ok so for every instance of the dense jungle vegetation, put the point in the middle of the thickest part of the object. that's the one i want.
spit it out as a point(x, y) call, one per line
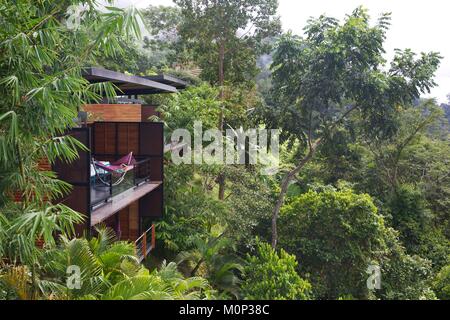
point(364, 159)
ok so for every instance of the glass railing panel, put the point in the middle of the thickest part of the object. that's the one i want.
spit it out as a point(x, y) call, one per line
point(106, 185)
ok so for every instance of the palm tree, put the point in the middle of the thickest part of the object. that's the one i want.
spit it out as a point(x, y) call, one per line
point(21, 257)
point(109, 269)
point(41, 89)
point(209, 258)
point(166, 284)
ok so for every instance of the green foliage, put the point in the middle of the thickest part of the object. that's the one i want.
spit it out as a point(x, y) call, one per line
point(330, 90)
point(346, 59)
point(220, 23)
point(335, 234)
point(392, 154)
point(202, 103)
point(190, 209)
point(415, 223)
point(135, 61)
point(336, 69)
point(164, 46)
point(441, 284)
point(249, 200)
point(272, 276)
point(191, 206)
point(198, 103)
point(409, 214)
point(427, 162)
point(403, 276)
point(109, 269)
point(160, 50)
point(42, 88)
point(26, 227)
point(407, 173)
point(212, 258)
point(339, 158)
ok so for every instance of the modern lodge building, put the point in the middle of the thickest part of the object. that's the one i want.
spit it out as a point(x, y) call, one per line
point(119, 181)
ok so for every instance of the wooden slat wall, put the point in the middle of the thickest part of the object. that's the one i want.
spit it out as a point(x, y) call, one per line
point(114, 112)
point(44, 165)
point(151, 205)
point(152, 139)
point(77, 173)
point(122, 138)
point(99, 138)
point(78, 201)
point(129, 222)
point(124, 224)
point(151, 145)
point(116, 138)
point(128, 138)
point(110, 138)
point(134, 221)
point(148, 112)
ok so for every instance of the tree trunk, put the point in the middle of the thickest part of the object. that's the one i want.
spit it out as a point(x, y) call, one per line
point(291, 174)
point(221, 82)
point(221, 181)
point(284, 186)
point(221, 177)
point(197, 266)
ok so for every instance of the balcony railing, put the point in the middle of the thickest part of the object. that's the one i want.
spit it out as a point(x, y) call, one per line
point(141, 171)
point(101, 192)
point(145, 243)
point(104, 185)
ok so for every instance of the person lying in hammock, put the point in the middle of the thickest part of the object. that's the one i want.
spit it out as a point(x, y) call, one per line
point(119, 167)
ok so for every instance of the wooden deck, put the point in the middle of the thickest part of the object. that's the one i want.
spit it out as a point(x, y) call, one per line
point(121, 201)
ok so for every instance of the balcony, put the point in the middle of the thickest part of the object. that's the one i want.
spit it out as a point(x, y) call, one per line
point(110, 194)
point(139, 196)
point(105, 186)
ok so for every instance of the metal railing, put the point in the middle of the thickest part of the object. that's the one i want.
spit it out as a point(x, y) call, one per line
point(145, 243)
point(101, 193)
point(141, 171)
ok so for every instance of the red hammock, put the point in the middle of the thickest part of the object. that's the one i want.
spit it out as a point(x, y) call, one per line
point(120, 166)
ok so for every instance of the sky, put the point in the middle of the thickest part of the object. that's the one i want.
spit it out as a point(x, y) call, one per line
point(422, 26)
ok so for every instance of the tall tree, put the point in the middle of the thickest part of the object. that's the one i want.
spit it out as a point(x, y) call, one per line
point(163, 41)
point(44, 46)
point(269, 275)
point(337, 234)
point(227, 36)
point(335, 70)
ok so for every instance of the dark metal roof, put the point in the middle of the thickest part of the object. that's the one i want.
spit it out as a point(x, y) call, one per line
point(169, 80)
point(128, 84)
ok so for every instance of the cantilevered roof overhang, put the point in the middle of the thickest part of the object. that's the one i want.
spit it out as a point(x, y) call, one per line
point(169, 80)
point(128, 84)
